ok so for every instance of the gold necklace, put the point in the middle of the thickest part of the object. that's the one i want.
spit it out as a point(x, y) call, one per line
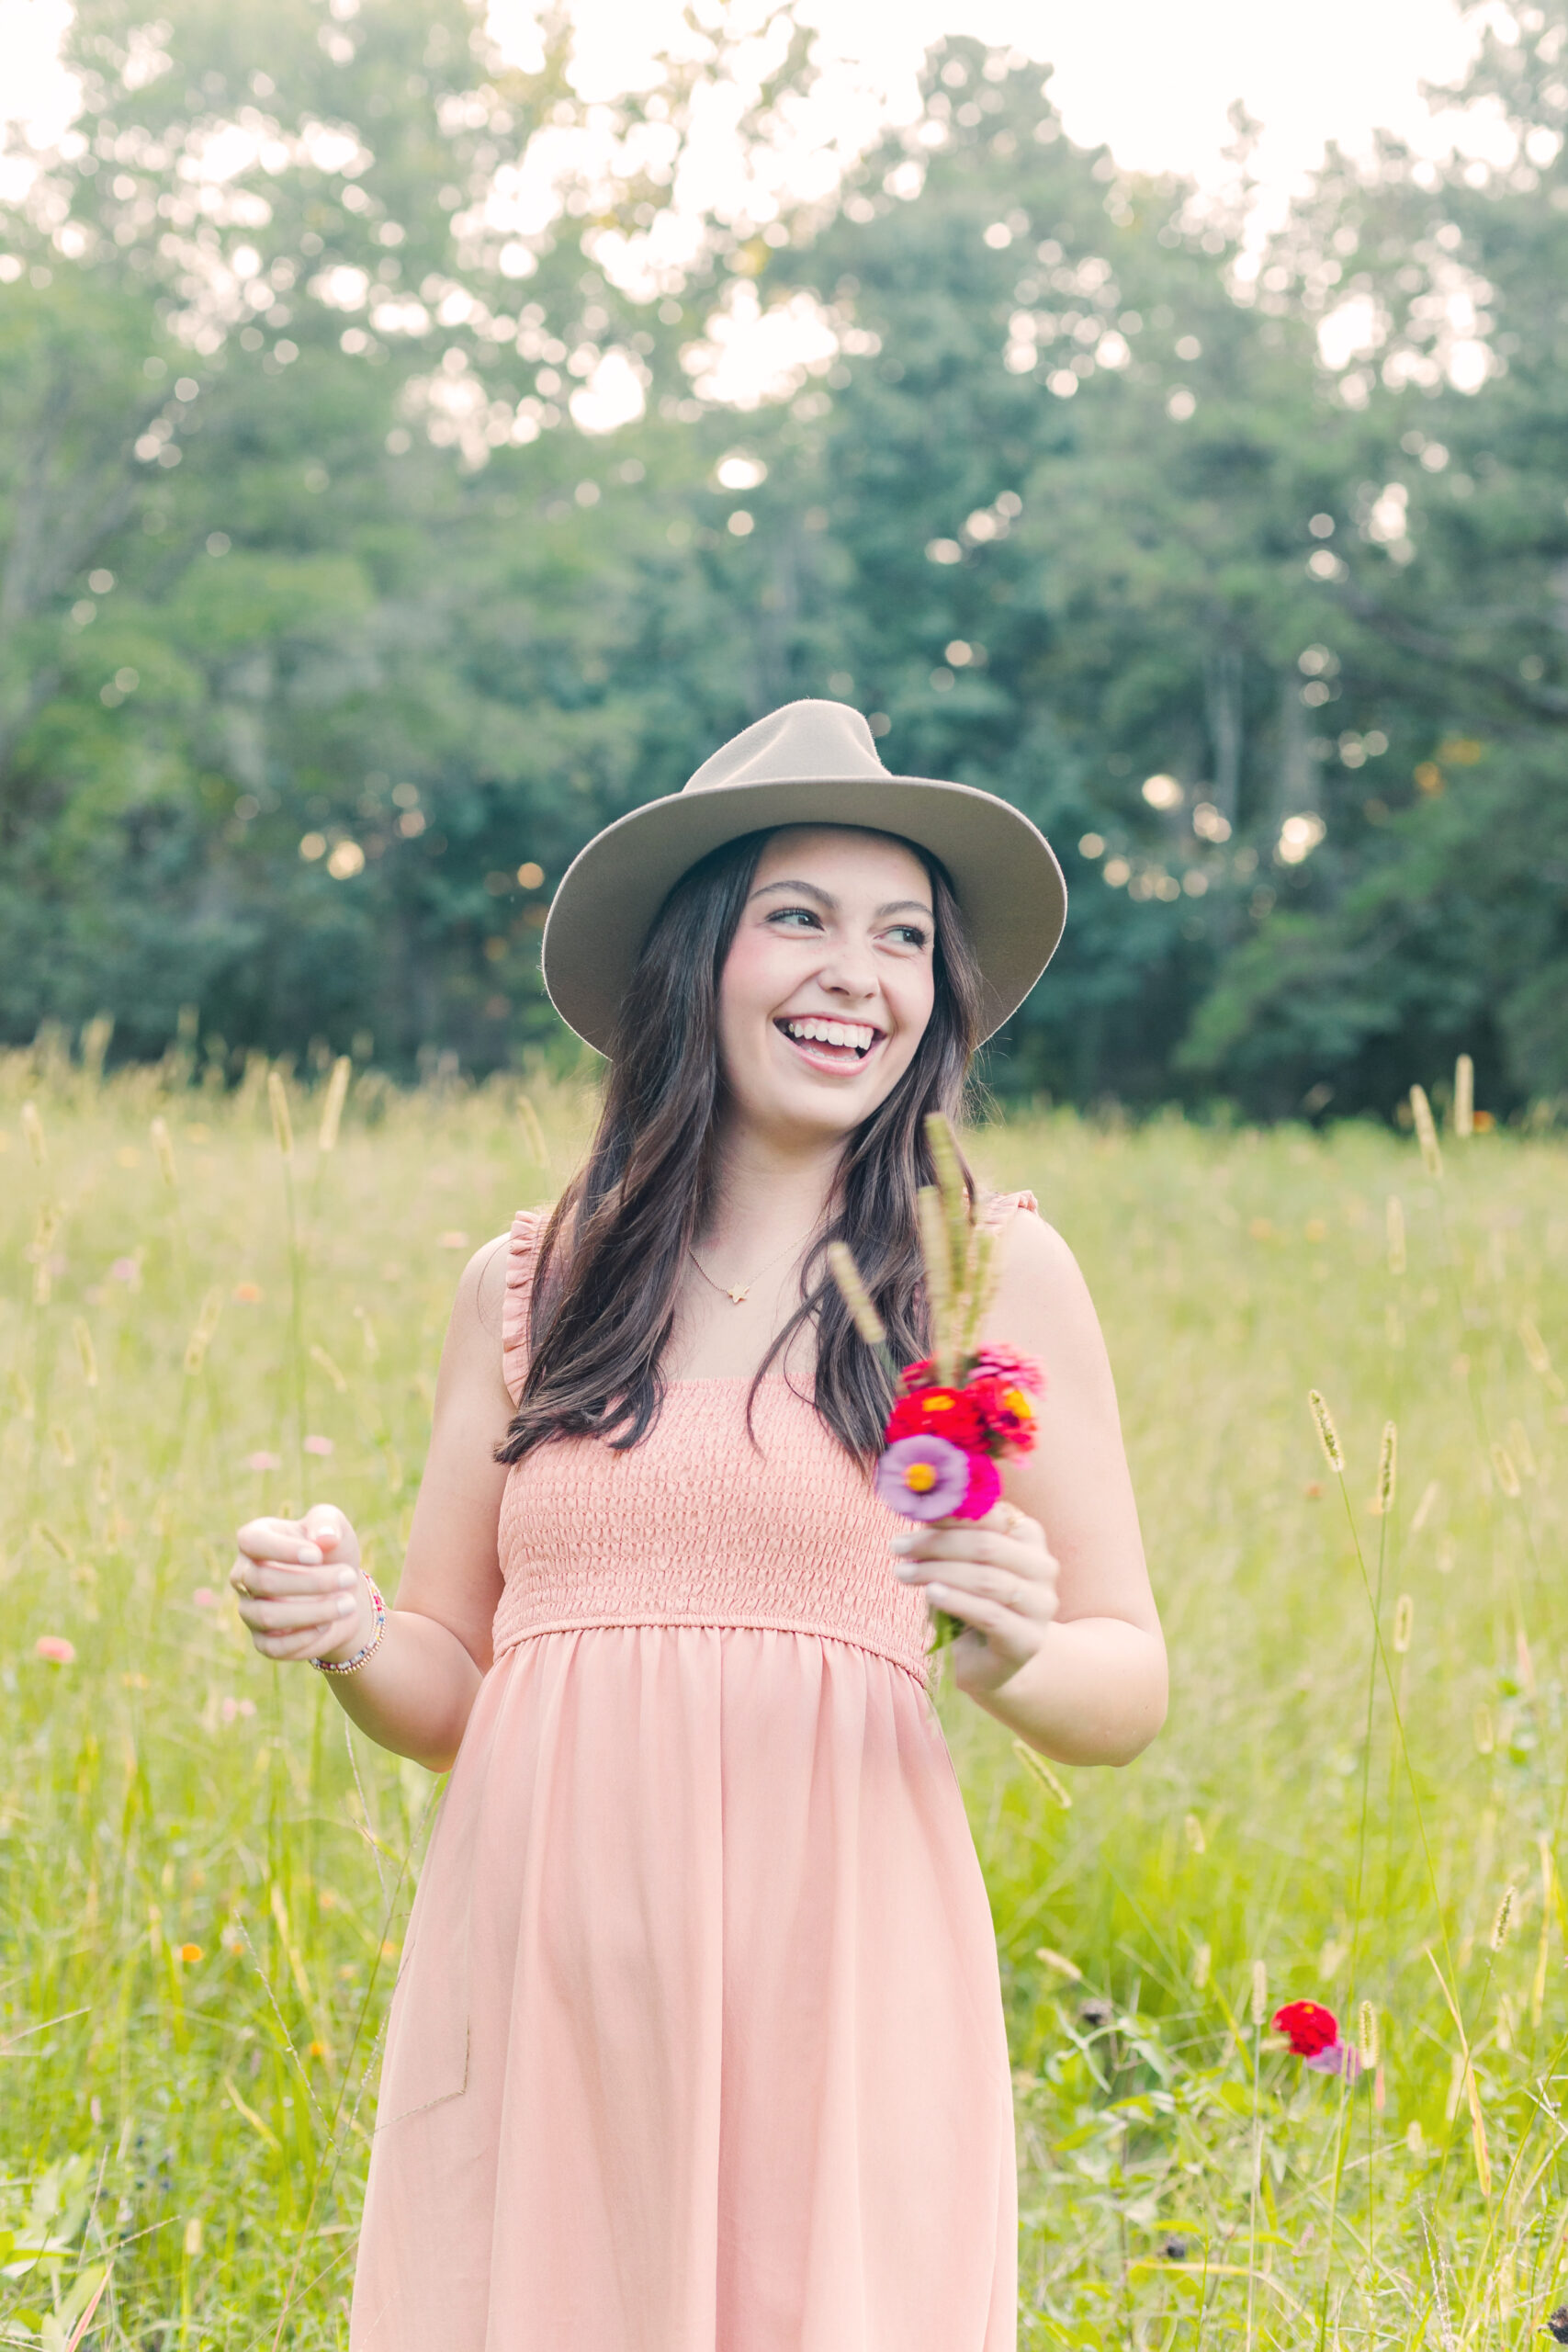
point(742, 1292)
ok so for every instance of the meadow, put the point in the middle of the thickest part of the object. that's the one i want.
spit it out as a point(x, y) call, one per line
point(1359, 1799)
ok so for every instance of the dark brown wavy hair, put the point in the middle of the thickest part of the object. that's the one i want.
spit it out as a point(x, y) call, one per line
point(615, 1250)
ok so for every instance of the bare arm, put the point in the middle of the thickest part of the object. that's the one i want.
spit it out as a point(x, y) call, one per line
point(1066, 1645)
point(414, 1696)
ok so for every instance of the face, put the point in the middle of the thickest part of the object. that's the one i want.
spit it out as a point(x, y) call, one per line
point(828, 984)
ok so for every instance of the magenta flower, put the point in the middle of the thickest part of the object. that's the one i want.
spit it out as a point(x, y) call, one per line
point(317, 1445)
point(263, 1461)
point(125, 1269)
point(984, 1487)
point(55, 1648)
point(205, 1597)
point(923, 1477)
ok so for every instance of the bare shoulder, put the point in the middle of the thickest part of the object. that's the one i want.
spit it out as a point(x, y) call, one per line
point(482, 1291)
point(1042, 1303)
point(1036, 1267)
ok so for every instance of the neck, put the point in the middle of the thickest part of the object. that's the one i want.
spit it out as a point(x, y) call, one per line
point(770, 1187)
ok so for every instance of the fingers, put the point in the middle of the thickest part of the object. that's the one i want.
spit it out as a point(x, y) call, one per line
point(279, 1539)
point(997, 1625)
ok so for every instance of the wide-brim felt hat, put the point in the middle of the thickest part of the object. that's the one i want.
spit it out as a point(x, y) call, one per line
point(809, 763)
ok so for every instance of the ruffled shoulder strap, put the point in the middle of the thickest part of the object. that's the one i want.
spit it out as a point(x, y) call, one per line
point(527, 1226)
point(1002, 1208)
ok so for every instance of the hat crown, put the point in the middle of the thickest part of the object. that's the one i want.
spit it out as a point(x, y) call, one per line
point(803, 741)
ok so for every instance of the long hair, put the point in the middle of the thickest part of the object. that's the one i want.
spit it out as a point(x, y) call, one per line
point(615, 1250)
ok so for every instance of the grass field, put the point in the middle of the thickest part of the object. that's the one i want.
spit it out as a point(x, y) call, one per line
point(202, 1886)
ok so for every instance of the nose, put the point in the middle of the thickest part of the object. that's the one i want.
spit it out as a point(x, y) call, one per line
point(849, 972)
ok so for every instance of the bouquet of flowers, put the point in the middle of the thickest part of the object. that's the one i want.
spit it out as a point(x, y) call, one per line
point(965, 1407)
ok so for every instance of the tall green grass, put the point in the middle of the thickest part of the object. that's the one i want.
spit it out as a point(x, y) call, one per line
point(203, 1881)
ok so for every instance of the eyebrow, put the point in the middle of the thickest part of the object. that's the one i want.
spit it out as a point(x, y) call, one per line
point(825, 898)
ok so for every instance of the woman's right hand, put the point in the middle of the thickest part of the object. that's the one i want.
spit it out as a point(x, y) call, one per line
point(301, 1589)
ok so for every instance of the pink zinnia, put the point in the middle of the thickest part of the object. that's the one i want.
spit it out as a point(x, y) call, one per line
point(205, 1597)
point(1011, 1369)
point(923, 1477)
point(55, 1648)
point(263, 1461)
point(317, 1445)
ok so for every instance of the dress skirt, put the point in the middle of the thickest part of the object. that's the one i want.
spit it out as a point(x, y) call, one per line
point(698, 2043)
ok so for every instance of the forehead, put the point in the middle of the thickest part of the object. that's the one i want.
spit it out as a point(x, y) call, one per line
point(844, 860)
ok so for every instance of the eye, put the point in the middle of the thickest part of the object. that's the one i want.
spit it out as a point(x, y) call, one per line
point(911, 935)
point(791, 915)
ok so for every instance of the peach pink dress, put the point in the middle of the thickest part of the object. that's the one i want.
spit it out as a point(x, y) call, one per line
point(697, 2044)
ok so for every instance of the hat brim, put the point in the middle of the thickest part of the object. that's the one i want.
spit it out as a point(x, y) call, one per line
point(1009, 884)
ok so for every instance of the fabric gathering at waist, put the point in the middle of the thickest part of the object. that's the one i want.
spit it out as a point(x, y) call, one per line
point(514, 1636)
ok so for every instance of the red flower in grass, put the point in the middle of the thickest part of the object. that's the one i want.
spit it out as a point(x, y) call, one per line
point(1310, 2027)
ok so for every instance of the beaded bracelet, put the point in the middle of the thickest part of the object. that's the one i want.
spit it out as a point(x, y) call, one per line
point(361, 1658)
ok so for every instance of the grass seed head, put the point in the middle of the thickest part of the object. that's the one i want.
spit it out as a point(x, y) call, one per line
point(331, 1109)
point(1486, 1736)
point(85, 1351)
point(1507, 1476)
point(1388, 1467)
point(277, 1103)
point(1404, 1623)
point(1367, 2035)
point(1425, 1131)
point(32, 1128)
point(202, 1337)
point(1259, 1991)
point(1395, 1216)
point(1036, 1763)
point(1500, 1923)
point(164, 1148)
point(1327, 1435)
point(1202, 1960)
point(1465, 1097)
point(856, 1297)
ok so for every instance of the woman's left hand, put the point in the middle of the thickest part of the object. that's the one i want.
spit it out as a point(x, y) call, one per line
point(997, 1575)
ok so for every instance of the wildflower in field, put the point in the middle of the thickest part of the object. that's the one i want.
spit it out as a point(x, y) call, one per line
point(322, 1445)
point(55, 1648)
point(247, 1294)
point(1313, 2033)
point(205, 1597)
point(264, 1461)
point(190, 1954)
point(452, 1241)
point(234, 1708)
point(126, 1269)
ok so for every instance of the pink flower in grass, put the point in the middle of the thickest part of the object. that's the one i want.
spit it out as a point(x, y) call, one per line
point(923, 1477)
point(205, 1597)
point(317, 1445)
point(56, 1649)
point(263, 1461)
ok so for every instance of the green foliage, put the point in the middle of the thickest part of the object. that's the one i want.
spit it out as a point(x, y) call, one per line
point(1079, 504)
point(203, 1882)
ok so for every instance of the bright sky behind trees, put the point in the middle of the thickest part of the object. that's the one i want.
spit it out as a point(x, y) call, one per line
point(1152, 81)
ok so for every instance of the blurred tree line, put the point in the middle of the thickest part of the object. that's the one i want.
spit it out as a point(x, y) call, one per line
point(334, 618)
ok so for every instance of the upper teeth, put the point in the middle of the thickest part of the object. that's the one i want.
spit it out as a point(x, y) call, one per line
point(833, 1033)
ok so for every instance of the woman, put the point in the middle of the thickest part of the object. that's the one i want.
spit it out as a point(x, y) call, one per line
point(697, 2045)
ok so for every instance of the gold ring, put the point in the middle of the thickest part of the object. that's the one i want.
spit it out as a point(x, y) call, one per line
point(1014, 1519)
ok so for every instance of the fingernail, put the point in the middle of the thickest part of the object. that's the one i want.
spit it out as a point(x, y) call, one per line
point(903, 1570)
point(309, 1557)
point(345, 1608)
point(903, 1543)
point(347, 1579)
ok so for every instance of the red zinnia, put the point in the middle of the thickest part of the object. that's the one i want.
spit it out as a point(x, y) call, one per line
point(1004, 1411)
point(1311, 2028)
point(937, 1412)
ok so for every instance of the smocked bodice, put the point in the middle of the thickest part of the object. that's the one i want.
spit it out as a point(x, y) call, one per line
point(698, 1525)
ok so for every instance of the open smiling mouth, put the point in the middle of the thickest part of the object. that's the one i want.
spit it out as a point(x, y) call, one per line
point(830, 1045)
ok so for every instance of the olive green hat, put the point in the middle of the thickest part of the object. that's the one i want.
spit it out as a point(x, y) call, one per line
point(809, 763)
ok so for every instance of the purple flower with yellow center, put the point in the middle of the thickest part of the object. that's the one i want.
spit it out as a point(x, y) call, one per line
point(923, 1477)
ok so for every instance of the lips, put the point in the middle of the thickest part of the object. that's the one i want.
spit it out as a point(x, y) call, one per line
point(826, 1043)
